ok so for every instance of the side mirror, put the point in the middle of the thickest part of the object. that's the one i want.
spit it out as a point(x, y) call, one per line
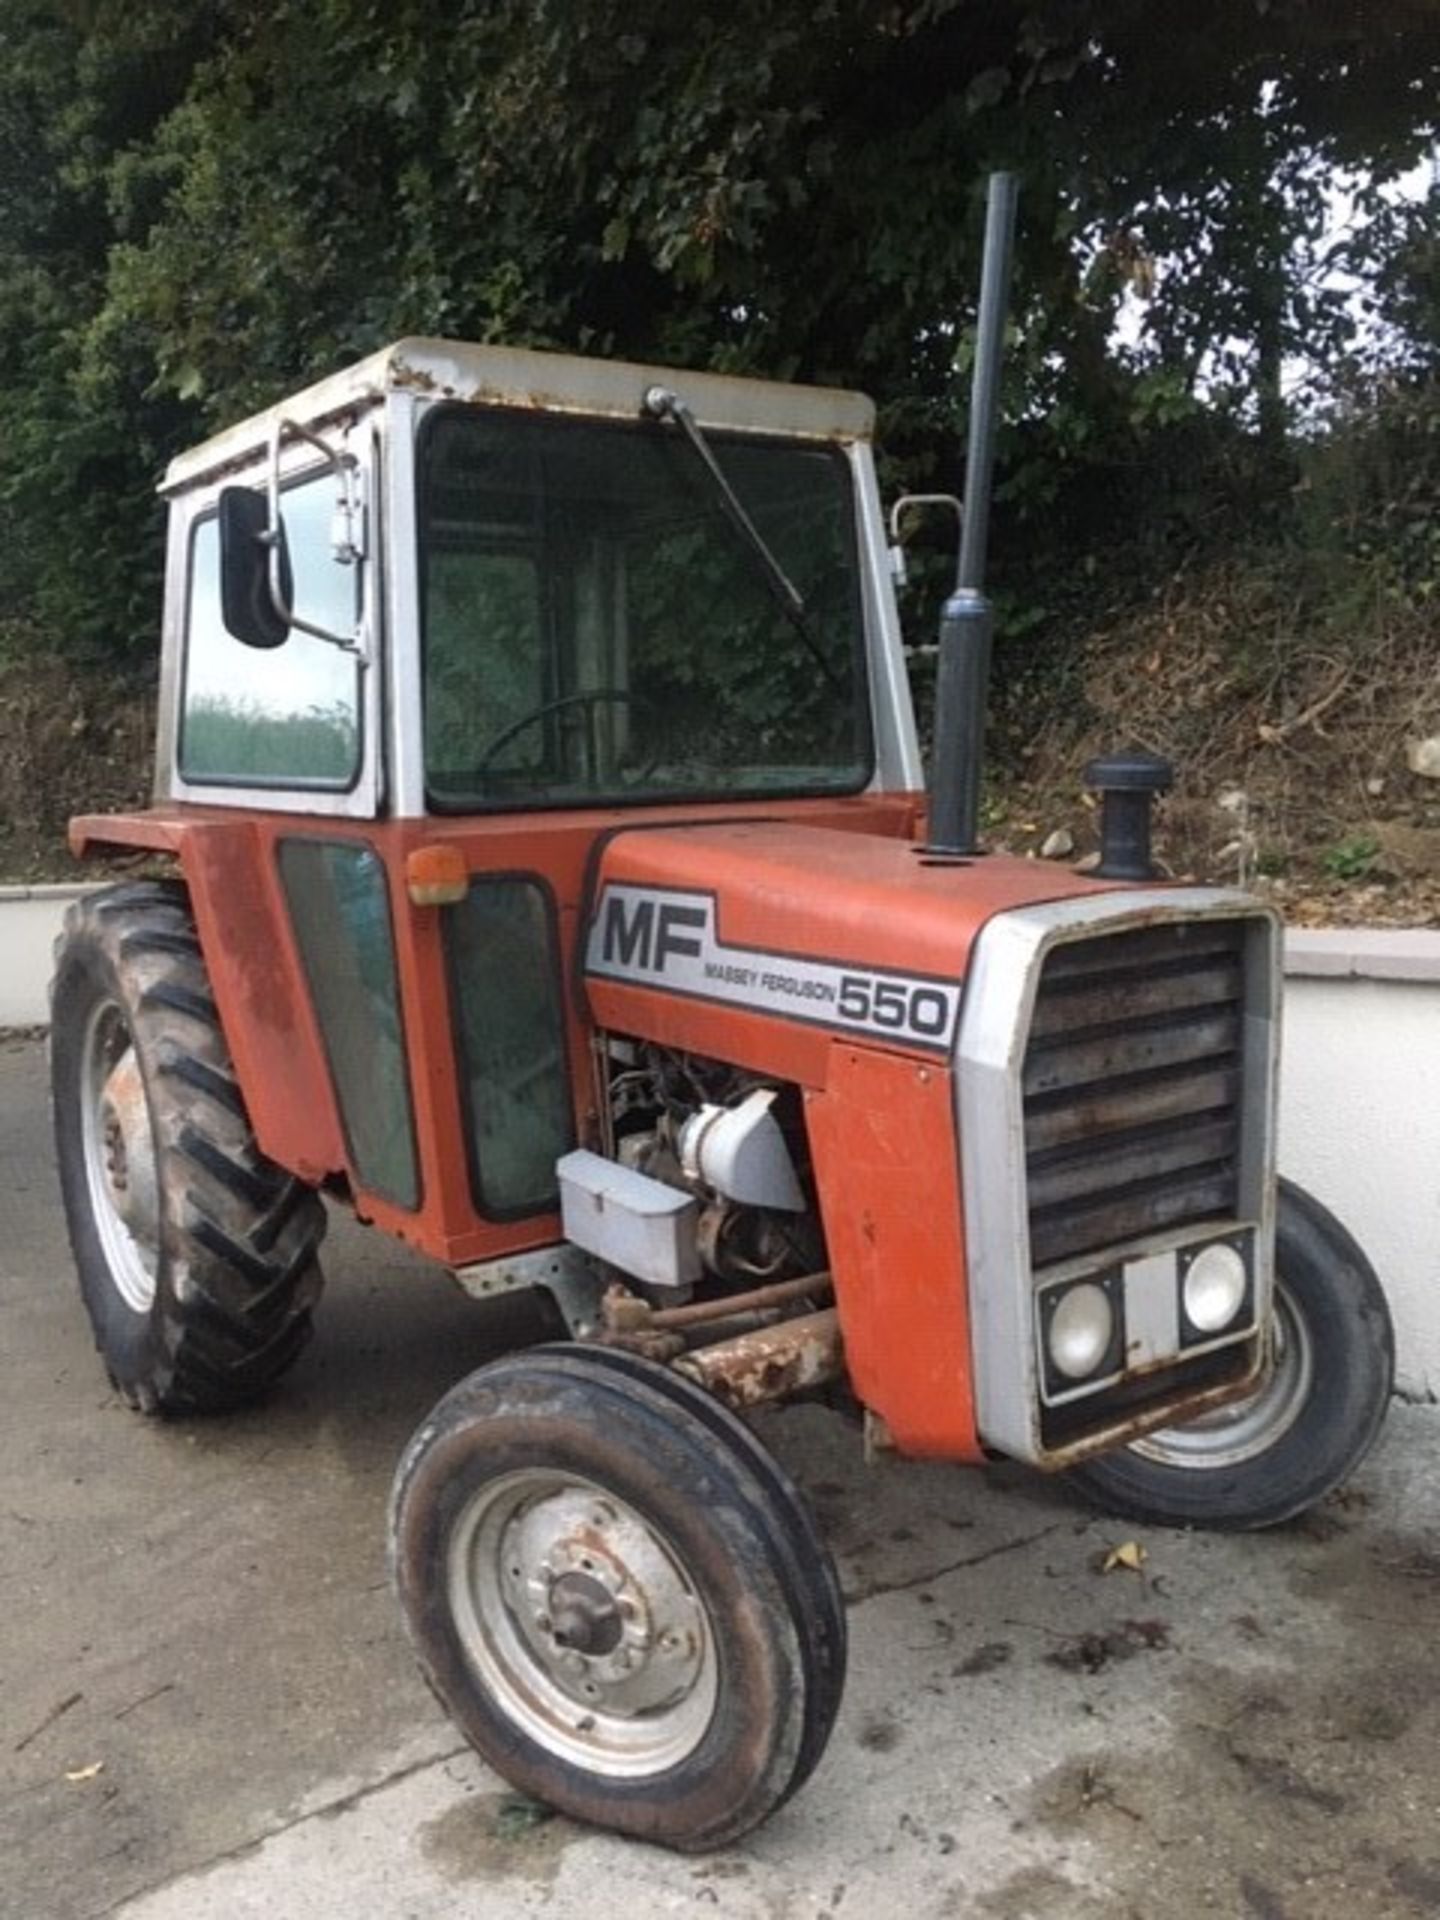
point(247, 605)
point(257, 584)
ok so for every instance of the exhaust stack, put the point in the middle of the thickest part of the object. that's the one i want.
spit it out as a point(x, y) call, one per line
point(967, 619)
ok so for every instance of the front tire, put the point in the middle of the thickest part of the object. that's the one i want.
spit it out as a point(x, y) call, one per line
point(196, 1254)
point(626, 1612)
point(1271, 1456)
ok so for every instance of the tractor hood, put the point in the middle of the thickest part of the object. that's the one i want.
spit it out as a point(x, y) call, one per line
point(706, 937)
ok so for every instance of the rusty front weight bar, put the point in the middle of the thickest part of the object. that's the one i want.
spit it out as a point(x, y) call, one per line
point(772, 1363)
point(764, 1363)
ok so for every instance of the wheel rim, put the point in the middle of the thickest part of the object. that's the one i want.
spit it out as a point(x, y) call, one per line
point(119, 1146)
point(582, 1623)
point(1234, 1434)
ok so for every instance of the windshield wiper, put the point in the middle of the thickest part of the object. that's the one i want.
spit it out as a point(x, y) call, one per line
point(665, 404)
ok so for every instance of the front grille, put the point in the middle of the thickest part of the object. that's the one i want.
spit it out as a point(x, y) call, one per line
point(1132, 1087)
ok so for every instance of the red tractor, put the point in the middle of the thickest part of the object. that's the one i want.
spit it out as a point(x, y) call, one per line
point(552, 880)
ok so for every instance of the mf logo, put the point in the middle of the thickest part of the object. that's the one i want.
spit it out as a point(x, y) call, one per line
point(646, 933)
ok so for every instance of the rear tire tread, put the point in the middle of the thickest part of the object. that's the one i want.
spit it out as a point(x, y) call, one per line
point(237, 1275)
point(177, 997)
point(258, 1186)
point(162, 940)
point(196, 1073)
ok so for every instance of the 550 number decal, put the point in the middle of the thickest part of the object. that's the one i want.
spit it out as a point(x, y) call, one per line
point(893, 1005)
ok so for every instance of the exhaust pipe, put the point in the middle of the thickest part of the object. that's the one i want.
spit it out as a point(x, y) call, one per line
point(967, 620)
point(1127, 784)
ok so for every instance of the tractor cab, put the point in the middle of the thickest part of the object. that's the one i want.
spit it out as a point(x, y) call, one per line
point(463, 580)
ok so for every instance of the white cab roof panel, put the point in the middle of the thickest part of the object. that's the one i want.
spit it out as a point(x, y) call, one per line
point(551, 382)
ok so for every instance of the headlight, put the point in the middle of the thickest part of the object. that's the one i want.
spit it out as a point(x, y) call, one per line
point(1081, 1332)
point(1214, 1288)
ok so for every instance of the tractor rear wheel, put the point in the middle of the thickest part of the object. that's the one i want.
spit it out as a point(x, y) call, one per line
point(196, 1254)
point(629, 1616)
point(1305, 1429)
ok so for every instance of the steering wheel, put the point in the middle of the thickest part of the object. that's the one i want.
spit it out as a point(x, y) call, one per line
point(587, 697)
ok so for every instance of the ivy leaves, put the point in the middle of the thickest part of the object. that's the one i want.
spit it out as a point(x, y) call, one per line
point(205, 203)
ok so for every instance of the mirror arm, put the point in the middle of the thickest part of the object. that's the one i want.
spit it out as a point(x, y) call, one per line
point(344, 466)
point(906, 504)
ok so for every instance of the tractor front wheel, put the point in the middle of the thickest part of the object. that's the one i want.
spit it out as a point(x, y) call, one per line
point(196, 1254)
point(1305, 1429)
point(624, 1607)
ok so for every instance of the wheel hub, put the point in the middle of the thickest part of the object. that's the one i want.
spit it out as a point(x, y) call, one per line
point(583, 1615)
point(583, 1621)
point(121, 1168)
point(601, 1606)
point(114, 1153)
point(128, 1149)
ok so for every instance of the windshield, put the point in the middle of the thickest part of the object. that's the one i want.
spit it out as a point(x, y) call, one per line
point(595, 626)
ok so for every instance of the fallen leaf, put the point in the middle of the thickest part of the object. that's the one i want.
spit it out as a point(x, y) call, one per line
point(1130, 1555)
point(79, 1774)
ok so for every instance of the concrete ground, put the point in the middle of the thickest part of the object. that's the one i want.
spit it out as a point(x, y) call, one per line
point(207, 1711)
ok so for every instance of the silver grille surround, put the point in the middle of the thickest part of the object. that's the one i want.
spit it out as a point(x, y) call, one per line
point(995, 1026)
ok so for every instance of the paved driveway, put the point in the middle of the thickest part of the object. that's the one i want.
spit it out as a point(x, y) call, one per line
point(207, 1711)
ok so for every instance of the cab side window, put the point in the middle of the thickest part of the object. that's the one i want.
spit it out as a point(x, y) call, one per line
point(287, 718)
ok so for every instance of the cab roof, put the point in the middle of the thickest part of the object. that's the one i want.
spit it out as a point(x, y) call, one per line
point(550, 382)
